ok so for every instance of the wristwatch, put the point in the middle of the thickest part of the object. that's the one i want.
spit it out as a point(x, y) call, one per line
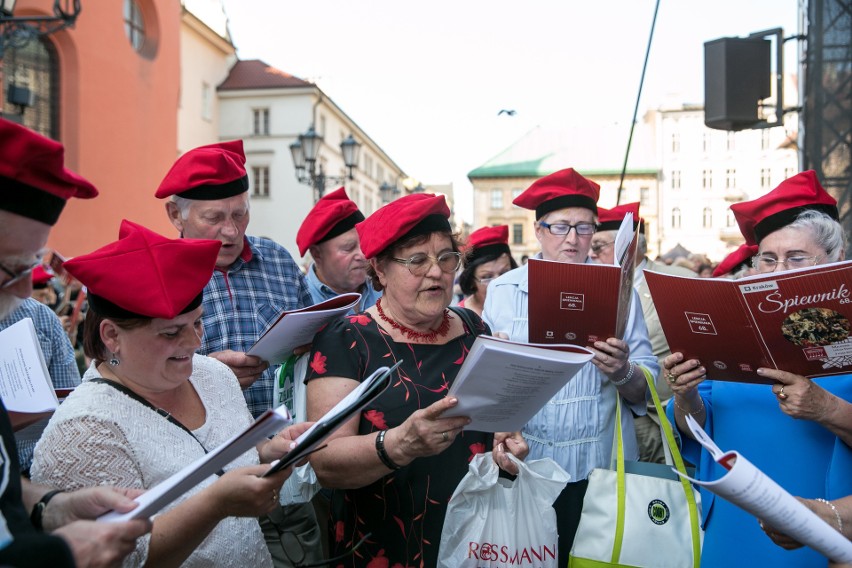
point(38, 508)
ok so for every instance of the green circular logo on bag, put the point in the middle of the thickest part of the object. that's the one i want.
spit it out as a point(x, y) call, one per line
point(658, 512)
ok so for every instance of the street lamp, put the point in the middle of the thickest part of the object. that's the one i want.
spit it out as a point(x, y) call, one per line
point(17, 31)
point(305, 151)
point(388, 192)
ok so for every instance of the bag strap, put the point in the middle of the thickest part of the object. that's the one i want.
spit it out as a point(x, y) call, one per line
point(692, 507)
point(464, 315)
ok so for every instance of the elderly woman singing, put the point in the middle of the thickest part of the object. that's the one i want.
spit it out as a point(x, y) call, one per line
point(394, 469)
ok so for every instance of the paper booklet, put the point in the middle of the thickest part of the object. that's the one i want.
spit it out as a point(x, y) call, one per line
point(295, 328)
point(753, 491)
point(502, 384)
point(797, 321)
point(266, 425)
point(25, 385)
point(583, 303)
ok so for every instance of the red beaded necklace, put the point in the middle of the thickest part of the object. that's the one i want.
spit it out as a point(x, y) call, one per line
point(428, 337)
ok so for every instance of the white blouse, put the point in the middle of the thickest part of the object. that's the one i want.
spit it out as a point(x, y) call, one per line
point(101, 436)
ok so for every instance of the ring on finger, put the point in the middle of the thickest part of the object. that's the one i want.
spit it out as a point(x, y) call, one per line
point(445, 436)
point(670, 377)
point(781, 394)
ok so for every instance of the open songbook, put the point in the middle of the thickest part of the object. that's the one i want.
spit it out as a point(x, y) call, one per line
point(295, 328)
point(267, 424)
point(753, 491)
point(502, 384)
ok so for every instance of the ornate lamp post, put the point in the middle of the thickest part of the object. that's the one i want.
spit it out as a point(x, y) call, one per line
point(305, 152)
point(17, 31)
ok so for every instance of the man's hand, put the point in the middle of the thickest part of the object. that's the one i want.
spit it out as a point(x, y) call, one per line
point(87, 504)
point(101, 545)
point(247, 368)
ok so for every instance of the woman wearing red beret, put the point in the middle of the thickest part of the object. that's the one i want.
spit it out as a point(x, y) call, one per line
point(797, 431)
point(149, 406)
point(393, 471)
point(487, 256)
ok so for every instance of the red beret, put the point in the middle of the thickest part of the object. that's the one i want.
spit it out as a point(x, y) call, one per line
point(734, 260)
point(610, 219)
point(565, 188)
point(413, 214)
point(333, 215)
point(41, 276)
point(35, 182)
point(215, 171)
point(487, 241)
point(144, 274)
point(780, 207)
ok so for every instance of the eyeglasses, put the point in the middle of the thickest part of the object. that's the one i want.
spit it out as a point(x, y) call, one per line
point(487, 280)
point(420, 263)
point(562, 229)
point(769, 264)
point(16, 276)
point(598, 247)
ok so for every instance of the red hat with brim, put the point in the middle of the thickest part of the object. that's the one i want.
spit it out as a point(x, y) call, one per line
point(36, 184)
point(332, 216)
point(610, 219)
point(207, 173)
point(780, 207)
point(408, 216)
point(41, 276)
point(145, 275)
point(487, 242)
point(565, 188)
point(735, 260)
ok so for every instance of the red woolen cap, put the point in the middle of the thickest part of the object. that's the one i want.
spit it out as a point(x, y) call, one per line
point(333, 215)
point(735, 260)
point(41, 276)
point(215, 171)
point(413, 214)
point(610, 219)
point(144, 274)
point(487, 241)
point(565, 188)
point(780, 207)
point(33, 176)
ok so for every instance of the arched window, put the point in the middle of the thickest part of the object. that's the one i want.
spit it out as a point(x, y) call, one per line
point(676, 218)
point(31, 86)
point(707, 218)
point(134, 24)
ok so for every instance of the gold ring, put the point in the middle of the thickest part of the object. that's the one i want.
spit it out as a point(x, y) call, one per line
point(445, 436)
point(274, 496)
point(781, 393)
point(671, 378)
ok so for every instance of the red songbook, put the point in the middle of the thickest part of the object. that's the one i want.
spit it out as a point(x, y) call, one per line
point(797, 321)
point(583, 303)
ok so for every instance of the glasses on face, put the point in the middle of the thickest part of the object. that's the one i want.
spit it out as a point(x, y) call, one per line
point(598, 247)
point(420, 263)
point(769, 264)
point(488, 279)
point(16, 276)
point(562, 229)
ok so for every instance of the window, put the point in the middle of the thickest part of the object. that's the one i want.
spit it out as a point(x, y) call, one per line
point(516, 192)
point(730, 220)
point(707, 218)
point(261, 122)
point(676, 218)
point(765, 178)
point(730, 179)
point(517, 234)
point(368, 165)
point(675, 142)
point(789, 172)
point(206, 101)
point(134, 25)
point(764, 139)
point(30, 76)
point(731, 145)
point(644, 196)
point(260, 181)
point(496, 199)
point(706, 142)
point(675, 179)
point(322, 126)
point(707, 179)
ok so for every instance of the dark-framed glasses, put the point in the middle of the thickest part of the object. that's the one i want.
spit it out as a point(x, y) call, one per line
point(562, 229)
point(19, 274)
point(598, 247)
point(420, 263)
point(765, 263)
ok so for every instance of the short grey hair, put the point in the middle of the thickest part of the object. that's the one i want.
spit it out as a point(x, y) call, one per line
point(828, 233)
point(183, 204)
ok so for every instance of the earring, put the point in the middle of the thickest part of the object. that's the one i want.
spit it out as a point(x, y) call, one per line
point(114, 361)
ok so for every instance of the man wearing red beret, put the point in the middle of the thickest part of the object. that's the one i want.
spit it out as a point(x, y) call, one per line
point(255, 280)
point(339, 266)
point(35, 186)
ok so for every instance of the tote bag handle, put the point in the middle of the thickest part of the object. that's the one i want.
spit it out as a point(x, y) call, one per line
point(678, 461)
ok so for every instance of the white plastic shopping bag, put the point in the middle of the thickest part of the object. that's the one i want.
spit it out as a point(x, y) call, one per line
point(496, 522)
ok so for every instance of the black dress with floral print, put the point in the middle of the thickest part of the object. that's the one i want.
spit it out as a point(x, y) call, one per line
point(404, 510)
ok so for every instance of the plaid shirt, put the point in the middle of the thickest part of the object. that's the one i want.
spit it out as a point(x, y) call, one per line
point(241, 303)
point(59, 357)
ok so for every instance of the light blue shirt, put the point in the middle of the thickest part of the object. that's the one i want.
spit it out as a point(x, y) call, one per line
point(576, 427)
point(320, 292)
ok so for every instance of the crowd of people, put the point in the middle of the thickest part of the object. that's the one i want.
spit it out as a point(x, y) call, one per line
point(166, 377)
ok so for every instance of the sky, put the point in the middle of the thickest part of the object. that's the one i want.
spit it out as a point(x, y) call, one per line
point(426, 80)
